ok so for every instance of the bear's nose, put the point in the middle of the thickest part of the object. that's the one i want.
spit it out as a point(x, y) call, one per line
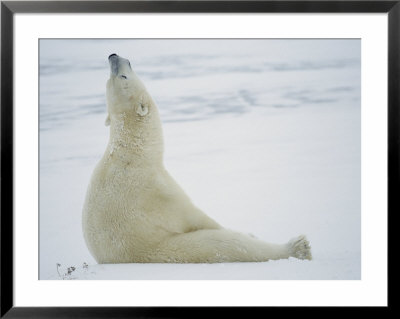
point(111, 55)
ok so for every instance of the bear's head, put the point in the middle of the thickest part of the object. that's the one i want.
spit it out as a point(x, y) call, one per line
point(132, 113)
point(126, 94)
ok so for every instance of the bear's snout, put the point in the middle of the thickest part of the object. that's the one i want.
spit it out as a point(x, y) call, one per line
point(113, 59)
point(119, 64)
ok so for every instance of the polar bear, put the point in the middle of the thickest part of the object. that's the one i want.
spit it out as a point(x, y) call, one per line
point(135, 212)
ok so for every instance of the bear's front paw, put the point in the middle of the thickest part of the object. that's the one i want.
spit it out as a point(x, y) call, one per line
point(299, 247)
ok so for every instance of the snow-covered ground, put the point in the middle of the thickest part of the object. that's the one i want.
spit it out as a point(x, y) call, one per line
point(263, 135)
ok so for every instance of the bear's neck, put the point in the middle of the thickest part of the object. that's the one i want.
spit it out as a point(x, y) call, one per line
point(135, 142)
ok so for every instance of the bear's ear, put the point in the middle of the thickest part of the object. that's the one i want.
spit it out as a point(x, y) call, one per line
point(108, 121)
point(142, 109)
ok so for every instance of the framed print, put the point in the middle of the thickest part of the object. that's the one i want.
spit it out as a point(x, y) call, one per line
point(165, 157)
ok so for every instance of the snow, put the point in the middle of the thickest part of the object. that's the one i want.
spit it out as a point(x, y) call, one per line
point(263, 135)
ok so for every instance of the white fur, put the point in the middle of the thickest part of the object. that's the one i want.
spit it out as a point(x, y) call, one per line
point(134, 210)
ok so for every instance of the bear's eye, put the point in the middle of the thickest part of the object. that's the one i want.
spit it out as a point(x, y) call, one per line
point(122, 77)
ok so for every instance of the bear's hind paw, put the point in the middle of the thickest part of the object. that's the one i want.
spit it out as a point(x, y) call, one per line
point(300, 248)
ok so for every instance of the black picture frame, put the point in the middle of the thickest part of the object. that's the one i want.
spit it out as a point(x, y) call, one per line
point(9, 8)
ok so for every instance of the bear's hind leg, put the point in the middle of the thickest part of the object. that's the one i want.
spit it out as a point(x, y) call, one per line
point(218, 245)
